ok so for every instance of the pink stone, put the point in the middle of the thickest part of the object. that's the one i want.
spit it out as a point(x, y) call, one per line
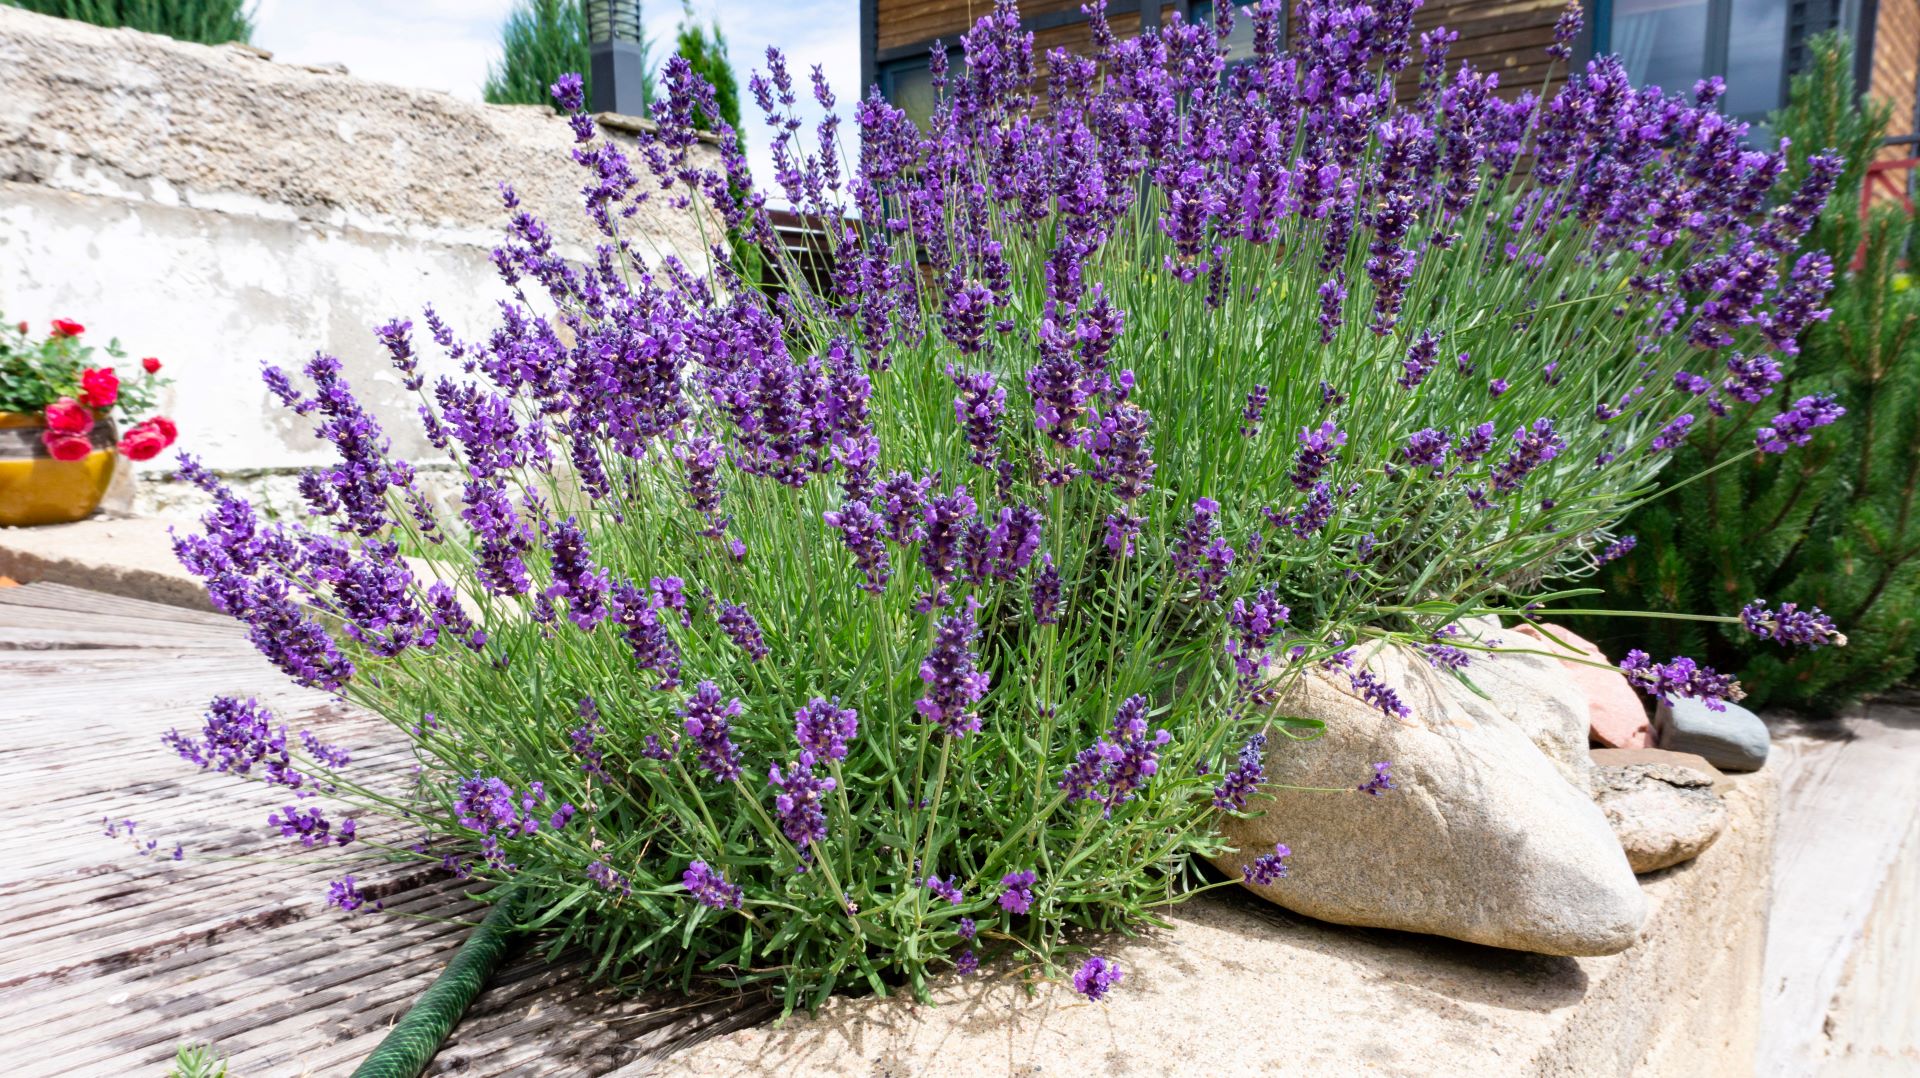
point(1615, 716)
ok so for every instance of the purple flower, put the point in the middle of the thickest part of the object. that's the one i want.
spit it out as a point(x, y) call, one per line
point(1318, 451)
point(1251, 413)
point(346, 894)
point(1795, 426)
point(953, 683)
point(1046, 592)
point(575, 578)
point(1121, 762)
point(798, 806)
point(1121, 444)
point(1018, 896)
point(237, 735)
point(978, 410)
point(1378, 693)
point(607, 878)
point(1496, 387)
point(1252, 626)
point(1422, 356)
point(1381, 782)
point(1123, 528)
point(823, 730)
point(967, 963)
point(706, 723)
point(709, 886)
point(1791, 625)
point(1532, 448)
point(1475, 445)
point(1671, 436)
point(584, 738)
point(637, 613)
point(569, 92)
point(1618, 549)
point(1426, 450)
point(1679, 677)
point(1200, 554)
point(743, 630)
point(1096, 977)
point(311, 827)
point(1244, 780)
point(863, 531)
point(1446, 657)
point(1268, 868)
point(948, 889)
point(1751, 378)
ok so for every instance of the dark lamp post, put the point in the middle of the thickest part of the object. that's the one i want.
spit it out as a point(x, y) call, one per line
point(616, 59)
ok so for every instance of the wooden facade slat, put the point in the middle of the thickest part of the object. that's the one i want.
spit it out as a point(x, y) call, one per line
point(1895, 68)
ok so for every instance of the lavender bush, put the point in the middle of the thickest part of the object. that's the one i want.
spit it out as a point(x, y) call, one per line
point(831, 636)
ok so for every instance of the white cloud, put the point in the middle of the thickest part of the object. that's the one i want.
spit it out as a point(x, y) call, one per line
point(447, 45)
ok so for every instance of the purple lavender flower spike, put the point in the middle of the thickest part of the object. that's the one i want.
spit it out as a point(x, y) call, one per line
point(1096, 977)
point(953, 683)
point(1796, 425)
point(1319, 449)
point(709, 887)
point(1244, 780)
point(1018, 896)
point(947, 889)
point(798, 808)
point(1380, 782)
point(823, 729)
point(1680, 677)
point(1791, 625)
point(1268, 868)
point(706, 721)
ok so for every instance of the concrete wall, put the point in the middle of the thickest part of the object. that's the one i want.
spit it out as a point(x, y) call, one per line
point(218, 210)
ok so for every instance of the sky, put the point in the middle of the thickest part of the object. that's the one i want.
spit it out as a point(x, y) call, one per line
point(448, 44)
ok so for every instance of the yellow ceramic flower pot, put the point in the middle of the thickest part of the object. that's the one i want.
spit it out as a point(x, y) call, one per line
point(37, 489)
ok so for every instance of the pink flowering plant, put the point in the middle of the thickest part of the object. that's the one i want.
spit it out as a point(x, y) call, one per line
point(829, 636)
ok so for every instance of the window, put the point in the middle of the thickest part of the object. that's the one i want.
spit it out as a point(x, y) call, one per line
point(909, 85)
point(1240, 38)
point(1674, 43)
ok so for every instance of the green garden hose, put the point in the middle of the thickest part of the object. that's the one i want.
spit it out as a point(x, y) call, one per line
point(412, 1042)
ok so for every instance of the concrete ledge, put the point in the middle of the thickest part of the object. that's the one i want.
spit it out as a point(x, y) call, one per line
point(1236, 986)
point(130, 556)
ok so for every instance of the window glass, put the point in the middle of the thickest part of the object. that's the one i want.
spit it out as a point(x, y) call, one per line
point(909, 85)
point(1756, 57)
point(1662, 42)
point(1239, 39)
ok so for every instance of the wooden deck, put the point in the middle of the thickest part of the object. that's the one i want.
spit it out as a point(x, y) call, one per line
point(109, 960)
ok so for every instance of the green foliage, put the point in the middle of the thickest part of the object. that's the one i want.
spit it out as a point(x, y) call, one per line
point(1835, 525)
point(197, 1061)
point(209, 22)
point(34, 374)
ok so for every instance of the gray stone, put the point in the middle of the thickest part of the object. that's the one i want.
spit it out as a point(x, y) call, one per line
point(1485, 839)
point(1663, 814)
point(1732, 740)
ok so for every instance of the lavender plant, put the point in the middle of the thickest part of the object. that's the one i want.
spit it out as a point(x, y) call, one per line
point(833, 636)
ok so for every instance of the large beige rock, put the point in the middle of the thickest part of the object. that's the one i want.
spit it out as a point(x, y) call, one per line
point(1531, 691)
point(1486, 839)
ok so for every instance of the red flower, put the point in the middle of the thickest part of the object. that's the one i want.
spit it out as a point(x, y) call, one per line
point(68, 416)
point(151, 365)
point(164, 426)
point(67, 327)
point(24, 328)
point(67, 446)
point(143, 442)
point(99, 387)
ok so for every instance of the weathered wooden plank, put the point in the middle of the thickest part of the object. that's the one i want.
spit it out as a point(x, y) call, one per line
point(109, 960)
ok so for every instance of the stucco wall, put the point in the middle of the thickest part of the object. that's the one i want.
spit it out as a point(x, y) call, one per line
point(219, 210)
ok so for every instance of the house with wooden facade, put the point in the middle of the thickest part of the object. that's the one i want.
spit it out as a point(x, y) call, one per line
point(1757, 45)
